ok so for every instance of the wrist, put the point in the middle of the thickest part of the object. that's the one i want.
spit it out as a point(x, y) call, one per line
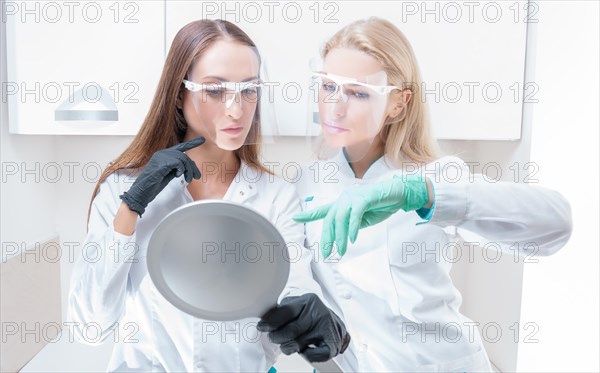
point(132, 204)
point(125, 220)
point(415, 193)
point(345, 343)
point(430, 195)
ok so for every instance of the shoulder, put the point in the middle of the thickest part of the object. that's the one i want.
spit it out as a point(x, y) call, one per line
point(268, 185)
point(273, 194)
point(279, 185)
point(446, 162)
point(447, 169)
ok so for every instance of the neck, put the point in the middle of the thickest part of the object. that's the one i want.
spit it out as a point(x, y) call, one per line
point(362, 156)
point(215, 164)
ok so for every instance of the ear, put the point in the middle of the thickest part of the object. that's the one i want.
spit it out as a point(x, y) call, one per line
point(398, 102)
point(179, 101)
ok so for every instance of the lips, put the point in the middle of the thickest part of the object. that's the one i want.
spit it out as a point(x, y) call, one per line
point(233, 129)
point(334, 129)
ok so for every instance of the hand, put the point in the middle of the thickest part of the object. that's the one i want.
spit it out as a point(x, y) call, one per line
point(164, 165)
point(299, 322)
point(362, 206)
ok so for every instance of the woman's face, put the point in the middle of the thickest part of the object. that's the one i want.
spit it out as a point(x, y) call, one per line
point(222, 116)
point(356, 117)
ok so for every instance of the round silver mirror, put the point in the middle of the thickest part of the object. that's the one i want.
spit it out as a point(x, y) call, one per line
point(218, 260)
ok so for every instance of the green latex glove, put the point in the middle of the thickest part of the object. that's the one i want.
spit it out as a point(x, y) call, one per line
point(362, 206)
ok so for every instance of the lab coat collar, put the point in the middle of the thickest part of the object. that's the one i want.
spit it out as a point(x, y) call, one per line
point(243, 186)
point(376, 170)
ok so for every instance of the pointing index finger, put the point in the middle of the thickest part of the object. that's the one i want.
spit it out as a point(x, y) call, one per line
point(185, 146)
point(312, 215)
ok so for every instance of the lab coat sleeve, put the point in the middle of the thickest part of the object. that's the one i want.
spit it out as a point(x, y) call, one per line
point(99, 280)
point(301, 279)
point(530, 219)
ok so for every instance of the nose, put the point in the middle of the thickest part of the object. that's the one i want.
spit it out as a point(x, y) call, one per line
point(233, 106)
point(340, 93)
point(340, 99)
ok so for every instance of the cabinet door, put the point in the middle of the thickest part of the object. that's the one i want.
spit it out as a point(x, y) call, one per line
point(471, 54)
point(84, 67)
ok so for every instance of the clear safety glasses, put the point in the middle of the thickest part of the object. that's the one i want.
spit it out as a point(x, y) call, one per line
point(225, 92)
point(331, 87)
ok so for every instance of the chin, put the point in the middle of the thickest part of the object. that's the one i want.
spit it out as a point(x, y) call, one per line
point(337, 141)
point(230, 145)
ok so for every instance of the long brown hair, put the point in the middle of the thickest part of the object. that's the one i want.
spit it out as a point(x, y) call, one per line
point(409, 135)
point(165, 125)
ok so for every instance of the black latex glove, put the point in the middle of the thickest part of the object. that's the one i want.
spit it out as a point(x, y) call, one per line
point(164, 165)
point(301, 321)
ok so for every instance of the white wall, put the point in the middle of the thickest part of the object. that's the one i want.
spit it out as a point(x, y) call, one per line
point(560, 293)
point(24, 201)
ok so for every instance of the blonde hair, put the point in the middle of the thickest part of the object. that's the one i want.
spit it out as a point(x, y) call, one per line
point(409, 135)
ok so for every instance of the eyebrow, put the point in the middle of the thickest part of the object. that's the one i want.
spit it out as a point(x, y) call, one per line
point(350, 84)
point(225, 80)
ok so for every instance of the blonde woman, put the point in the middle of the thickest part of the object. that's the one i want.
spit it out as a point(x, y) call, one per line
point(391, 281)
point(205, 113)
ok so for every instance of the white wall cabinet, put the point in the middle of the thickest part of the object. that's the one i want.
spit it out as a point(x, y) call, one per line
point(84, 67)
point(471, 54)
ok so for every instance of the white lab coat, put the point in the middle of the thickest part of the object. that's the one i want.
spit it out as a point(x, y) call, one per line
point(393, 285)
point(111, 288)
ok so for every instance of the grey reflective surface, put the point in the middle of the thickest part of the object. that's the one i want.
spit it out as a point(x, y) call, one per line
point(67, 110)
point(92, 115)
point(329, 366)
point(218, 260)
